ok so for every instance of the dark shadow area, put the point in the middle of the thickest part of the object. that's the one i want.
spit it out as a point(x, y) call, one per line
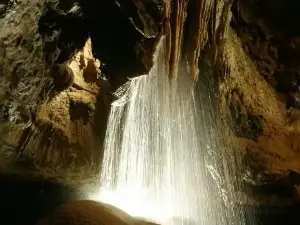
point(266, 215)
point(25, 201)
point(104, 99)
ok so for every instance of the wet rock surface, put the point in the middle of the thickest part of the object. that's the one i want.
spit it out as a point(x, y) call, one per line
point(89, 213)
point(63, 134)
point(124, 34)
point(260, 92)
point(55, 93)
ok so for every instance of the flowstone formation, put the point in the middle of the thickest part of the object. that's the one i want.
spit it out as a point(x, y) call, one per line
point(259, 90)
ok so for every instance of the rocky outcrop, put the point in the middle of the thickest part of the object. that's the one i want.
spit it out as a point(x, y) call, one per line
point(55, 93)
point(124, 34)
point(258, 90)
point(65, 134)
point(187, 30)
point(88, 213)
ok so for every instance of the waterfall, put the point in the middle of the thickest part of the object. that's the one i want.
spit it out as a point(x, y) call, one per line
point(161, 153)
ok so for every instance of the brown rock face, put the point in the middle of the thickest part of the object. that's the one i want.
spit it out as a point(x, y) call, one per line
point(90, 213)
point(187, 32)
point(64, 132)
point(54, 92)
point(259, 90)
point(124, 34)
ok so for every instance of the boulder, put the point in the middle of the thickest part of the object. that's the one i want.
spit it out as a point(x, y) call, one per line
point(86, 212)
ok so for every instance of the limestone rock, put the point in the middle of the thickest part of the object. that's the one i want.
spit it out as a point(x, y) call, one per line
point(89, 213)
point(124, 34)
point(54, 92)
point(259, 92)
point(64, 134)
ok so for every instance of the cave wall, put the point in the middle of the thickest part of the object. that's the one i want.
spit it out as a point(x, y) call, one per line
point(258, 92)
point(59, 63)
point(69, 126)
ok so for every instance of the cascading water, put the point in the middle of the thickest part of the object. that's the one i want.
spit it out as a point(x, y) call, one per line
point(160, 153)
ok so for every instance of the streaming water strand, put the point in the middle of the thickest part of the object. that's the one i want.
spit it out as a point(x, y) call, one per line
point(161, 153)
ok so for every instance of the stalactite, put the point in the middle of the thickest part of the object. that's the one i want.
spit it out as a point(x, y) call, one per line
point(178, 17)
point(197, 33)
point(176, 13)
point(179, 45)
point(186, 36)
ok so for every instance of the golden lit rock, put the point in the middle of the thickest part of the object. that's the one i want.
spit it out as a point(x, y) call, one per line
point(90, 213)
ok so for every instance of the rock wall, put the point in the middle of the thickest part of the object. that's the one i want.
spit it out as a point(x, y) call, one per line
point(65, 139)
point(88, 213)
point(55, 94)
point(258, 90)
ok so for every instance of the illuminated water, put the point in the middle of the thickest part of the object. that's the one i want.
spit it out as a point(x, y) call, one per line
point(162, 156)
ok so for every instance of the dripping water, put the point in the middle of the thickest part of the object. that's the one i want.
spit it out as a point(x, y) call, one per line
point(163, 157)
